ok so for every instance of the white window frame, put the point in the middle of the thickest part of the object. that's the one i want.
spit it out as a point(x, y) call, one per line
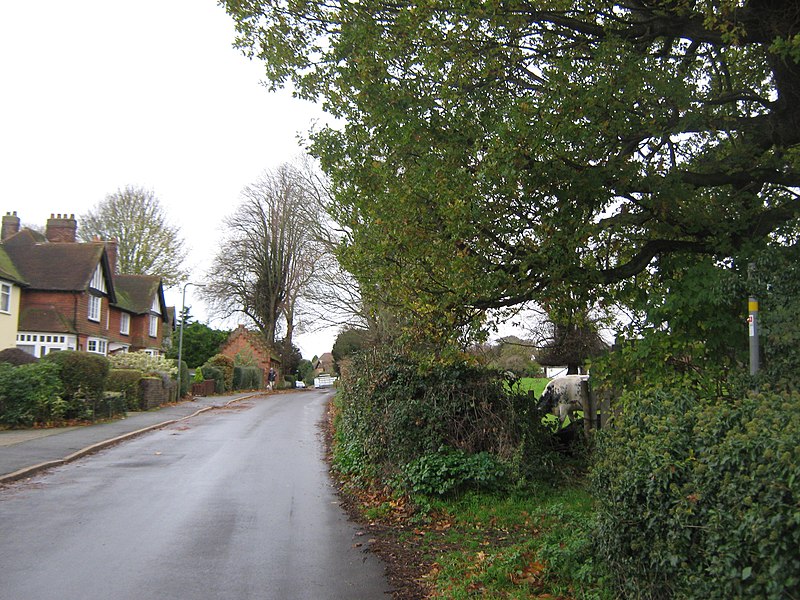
point(97, 346)
point(153, 326)
point(5, 298)
point(125, 323)
point(98, 282)
point(95, 308)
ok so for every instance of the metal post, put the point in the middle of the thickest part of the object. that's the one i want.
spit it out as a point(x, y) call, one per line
point(180, 332)
point(752, 323)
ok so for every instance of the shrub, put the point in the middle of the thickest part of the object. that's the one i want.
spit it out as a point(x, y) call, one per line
point(144, 362)
point(126, 382)
point(83, 377)
point(699, 499)
point(16, 357)
point(248, 378)
point(394, 411)
point(451, 471)
point(225, 365)
point(30, 394)
point(216, 374)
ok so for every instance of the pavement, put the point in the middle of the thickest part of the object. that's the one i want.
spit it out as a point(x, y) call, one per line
point(24, 453)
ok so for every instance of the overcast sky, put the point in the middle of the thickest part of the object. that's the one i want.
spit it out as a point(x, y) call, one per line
point(99, 94)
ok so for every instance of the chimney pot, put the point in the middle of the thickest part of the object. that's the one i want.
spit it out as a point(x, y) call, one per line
point(61, 229)
point(10, 225)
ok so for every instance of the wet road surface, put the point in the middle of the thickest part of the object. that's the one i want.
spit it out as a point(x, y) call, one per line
point(231, 504)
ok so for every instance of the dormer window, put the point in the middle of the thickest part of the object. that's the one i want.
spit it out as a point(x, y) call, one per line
point(156, 306)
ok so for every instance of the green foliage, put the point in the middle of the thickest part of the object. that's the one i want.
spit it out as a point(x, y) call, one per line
point(305, 371)
point(198, 375)
point(394, 411)
point(83, 377)
point(248, 378)
point(449, 471)
point(185, 383)
point(217, 375)
point(16, 357)
point(697, 498)
point(225, 365)
point(126, 382)
point(30, 394)
point(512, 354)
point(349, 342)
point(200, 342)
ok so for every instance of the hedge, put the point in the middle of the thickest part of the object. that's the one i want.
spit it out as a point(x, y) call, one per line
point(126, 382)
point(700, 498)
point(31, 394)
point(83, 376)
point(248, 378)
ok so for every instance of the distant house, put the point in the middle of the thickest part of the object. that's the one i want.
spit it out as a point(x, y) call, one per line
point(249, 347)
point(325, 364)
point(68, 293)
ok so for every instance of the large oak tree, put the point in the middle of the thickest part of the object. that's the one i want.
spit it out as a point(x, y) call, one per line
point(489, 151)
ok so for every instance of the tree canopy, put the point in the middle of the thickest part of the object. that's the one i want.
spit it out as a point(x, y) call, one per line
point(147, 243)
point(489, 152)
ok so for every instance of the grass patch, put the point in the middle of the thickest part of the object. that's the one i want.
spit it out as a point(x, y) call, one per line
point(534, 384)
point(512, 546)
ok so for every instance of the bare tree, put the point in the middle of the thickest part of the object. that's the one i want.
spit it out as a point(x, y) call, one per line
point(267, 256)
point(147, 244)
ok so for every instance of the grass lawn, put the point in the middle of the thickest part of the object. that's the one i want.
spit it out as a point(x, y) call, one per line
point(535, 384)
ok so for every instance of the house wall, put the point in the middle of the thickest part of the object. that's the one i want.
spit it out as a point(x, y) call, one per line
point(75, 309)
point(240, 344)
point(9, 320)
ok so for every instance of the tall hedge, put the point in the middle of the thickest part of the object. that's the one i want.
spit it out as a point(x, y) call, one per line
point(700, 498)
point(248, 378)
point(83, 376)
point(225, 365)
point(30, 394)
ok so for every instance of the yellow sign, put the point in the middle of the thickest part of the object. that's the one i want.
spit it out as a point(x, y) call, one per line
point(752, 306)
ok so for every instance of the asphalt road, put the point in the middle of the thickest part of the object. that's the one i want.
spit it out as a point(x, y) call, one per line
point(232, 504)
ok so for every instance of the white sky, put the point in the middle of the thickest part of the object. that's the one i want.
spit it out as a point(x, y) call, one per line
point(99, 94)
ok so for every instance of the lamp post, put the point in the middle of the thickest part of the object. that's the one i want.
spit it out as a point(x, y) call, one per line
point(180, 331)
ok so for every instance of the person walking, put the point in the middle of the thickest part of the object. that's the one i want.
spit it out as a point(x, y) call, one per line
point(271, 379)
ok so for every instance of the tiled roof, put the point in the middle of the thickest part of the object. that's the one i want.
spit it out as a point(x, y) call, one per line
point(7, 269)
point(135, 293)
point(55, 266)
point(44, 319)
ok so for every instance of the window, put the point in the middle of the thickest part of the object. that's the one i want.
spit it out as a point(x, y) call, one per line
point(96, 345)
point(98, 282)
point(94, 308)
point(125, 324)
point(153, 325)
point(5, 298)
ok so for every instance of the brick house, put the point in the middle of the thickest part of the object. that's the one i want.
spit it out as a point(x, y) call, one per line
point(69, 299)
point(244, 346)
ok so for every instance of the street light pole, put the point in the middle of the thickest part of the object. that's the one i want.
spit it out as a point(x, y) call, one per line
point(180, 331)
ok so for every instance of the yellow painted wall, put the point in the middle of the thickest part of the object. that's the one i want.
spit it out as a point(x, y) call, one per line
point(9, 321)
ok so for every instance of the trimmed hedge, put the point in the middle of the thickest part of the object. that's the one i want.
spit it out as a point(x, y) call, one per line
point(126, 382)
point(83, 376)
point(216, 374)
point(31, 394)
point(225, 365)
point(699, 498)
point(248, 378)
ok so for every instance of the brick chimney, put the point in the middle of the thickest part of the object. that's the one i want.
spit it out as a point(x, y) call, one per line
point(10, 225)
point(111, 251)
point(61, 228)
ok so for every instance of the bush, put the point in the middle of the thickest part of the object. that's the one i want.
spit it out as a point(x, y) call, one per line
point(83, 377)
point(215, 374)
point(699, 499)
point(453, 471)
point(17, 357)
point(30, 394)
point(394, 412)
point(144, 362)
point(126, 382)
point(225, 365)
point(248, 378)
